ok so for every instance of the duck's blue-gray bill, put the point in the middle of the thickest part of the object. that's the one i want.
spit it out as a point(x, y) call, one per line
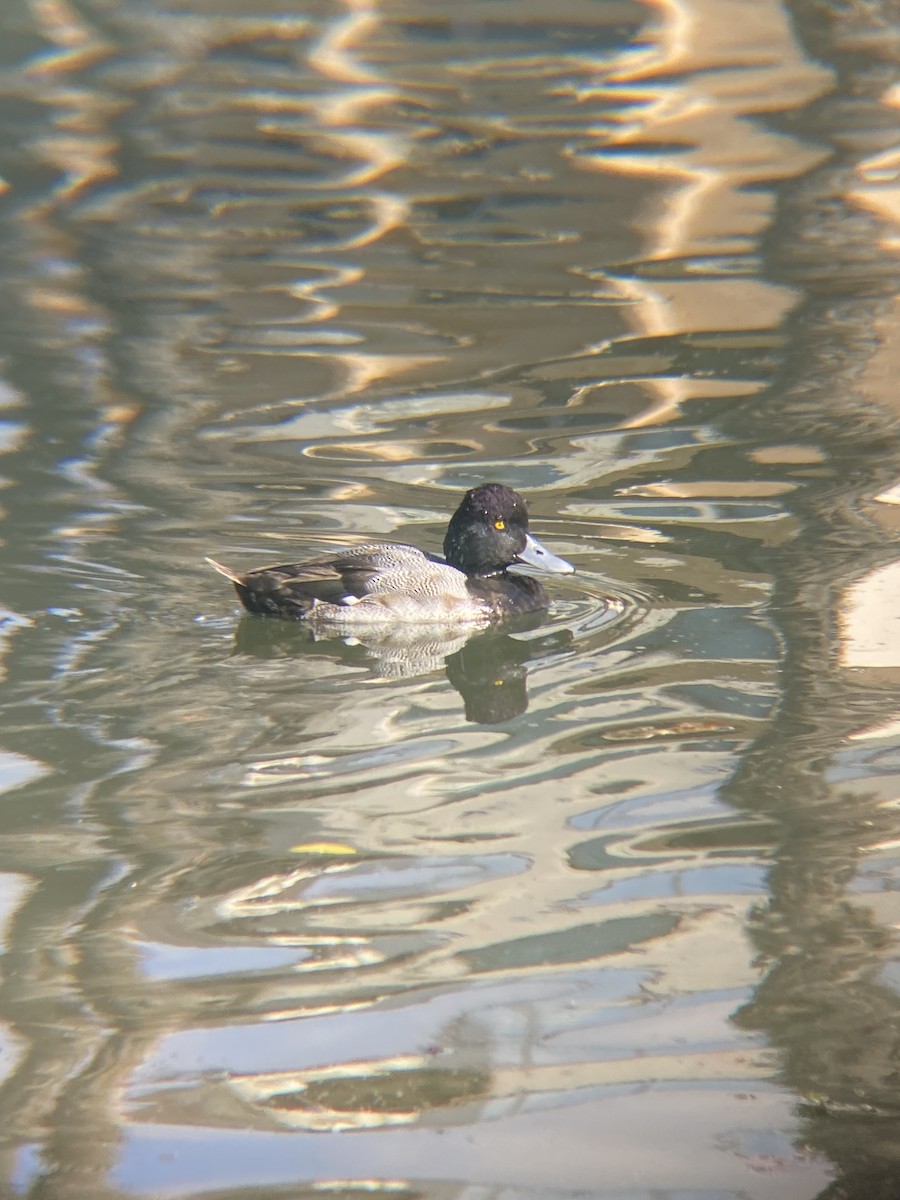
point(533, 554)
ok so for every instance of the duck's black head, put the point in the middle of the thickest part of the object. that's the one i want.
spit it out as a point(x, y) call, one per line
point(489, 532)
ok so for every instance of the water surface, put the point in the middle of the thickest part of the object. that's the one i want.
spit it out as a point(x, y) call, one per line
point(601, 907)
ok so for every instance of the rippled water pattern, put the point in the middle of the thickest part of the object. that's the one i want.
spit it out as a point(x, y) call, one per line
point(601, 906)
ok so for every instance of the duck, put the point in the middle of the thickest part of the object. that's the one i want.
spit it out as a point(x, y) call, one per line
point(477, 582)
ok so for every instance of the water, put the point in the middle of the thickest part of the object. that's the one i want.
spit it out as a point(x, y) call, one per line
point(603, 907)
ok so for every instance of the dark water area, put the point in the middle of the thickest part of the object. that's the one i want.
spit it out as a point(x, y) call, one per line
point(603, 905)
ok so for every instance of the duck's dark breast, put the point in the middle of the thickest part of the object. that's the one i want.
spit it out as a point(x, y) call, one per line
point(509, 595)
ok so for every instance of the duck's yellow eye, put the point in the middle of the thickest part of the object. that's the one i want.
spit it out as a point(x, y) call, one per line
point(499, 523)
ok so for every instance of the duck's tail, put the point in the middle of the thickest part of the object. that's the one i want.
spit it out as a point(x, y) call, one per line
point(226, 571)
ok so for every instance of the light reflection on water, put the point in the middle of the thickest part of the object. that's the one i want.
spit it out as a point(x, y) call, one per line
point(601, 905)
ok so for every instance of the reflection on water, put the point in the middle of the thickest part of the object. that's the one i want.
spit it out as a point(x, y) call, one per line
point(602, 905)
point(487, 668)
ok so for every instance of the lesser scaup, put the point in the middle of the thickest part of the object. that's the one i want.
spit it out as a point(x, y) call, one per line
point(384, 582)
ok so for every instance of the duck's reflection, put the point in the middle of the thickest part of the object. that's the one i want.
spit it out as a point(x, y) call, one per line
point(488, 668)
